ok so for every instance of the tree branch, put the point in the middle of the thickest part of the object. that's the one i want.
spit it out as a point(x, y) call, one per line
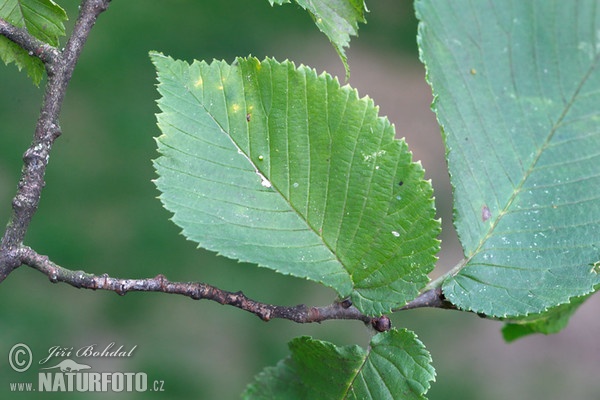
point(202, 291)
point(194, 290)
point(60, 69)
point(35, 47)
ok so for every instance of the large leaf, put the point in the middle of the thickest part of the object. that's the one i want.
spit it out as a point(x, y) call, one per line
point(517, 88)
point(395, 366)
point(274, 165)
point(43, 19)
point(338, 19)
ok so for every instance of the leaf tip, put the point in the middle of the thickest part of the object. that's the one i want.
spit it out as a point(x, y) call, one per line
point(157, 55)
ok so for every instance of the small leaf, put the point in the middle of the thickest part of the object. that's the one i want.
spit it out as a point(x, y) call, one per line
point(551, 321)
point(274, 165)
point(338, 19)
point(516, 95)
point(42, 19)
point(396, 366)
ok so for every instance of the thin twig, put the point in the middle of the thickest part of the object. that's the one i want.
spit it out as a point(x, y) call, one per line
point(60, 69)
point(433, 298)
point(35, 47)
point(199, 291)
point(195, 290)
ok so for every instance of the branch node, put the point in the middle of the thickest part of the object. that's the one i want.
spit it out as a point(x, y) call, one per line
point(82, 280)
point(53, 275)
point(196, 294)
point(238, 299)
point(161, 279)
point(105, 284)
point(265, 315)
point(381, 324)
point(120, 289)
point(313, 314)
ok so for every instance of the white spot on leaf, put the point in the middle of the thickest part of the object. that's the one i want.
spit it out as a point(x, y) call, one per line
point(264, 181)
point(373, 156)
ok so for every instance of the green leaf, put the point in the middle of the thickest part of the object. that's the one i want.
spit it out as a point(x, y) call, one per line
point(338, 19)
point(267, 163)
point(517, 88)
point(396, 366)
point(551, 321)
point(42, 19)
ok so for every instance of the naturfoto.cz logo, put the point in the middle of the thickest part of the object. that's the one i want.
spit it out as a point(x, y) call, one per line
point(69, 375)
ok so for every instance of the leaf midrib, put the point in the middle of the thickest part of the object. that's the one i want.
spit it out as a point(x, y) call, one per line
point(273, 186)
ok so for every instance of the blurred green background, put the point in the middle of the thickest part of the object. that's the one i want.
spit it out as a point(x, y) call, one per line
point(99, 213)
